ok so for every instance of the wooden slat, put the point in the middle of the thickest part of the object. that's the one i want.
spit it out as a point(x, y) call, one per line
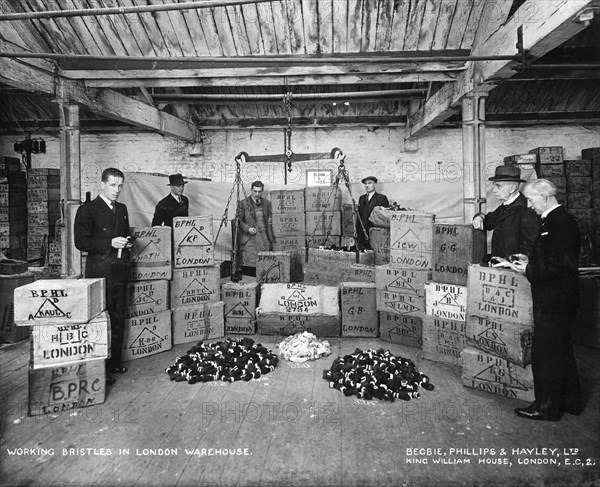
point(355, 13)
point(101, 29)
point(71, 37)
point(177, 37)
point(160, 33)
point(221, 21)
point(415, 20)
point(195, 30)
point(280, 26)
point(53, 34)
point(431, 18)
point(240, 30)
point(265, 16)
point(399, 26)
point(30, 37)
point(473, 23)
point(253, 29)
point(385, 17)
point(442, 28)
point(210, 32)
point(311, 26)
point(494, 14)
point(340, 28)
point(94, 44)
point(459, 23)
point(116, 25)
point(295, 25)
point(136, 25)
point(369, 25)
point(326, 10)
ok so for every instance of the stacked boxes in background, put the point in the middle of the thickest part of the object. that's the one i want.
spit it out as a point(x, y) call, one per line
point(289, 227)
point(549, 165)
point(195, 294)
point(323, 213)
point(400, 286)
point(13, 208)
point(9, 332)
point(499, 333)
point(43, 210)
point(274, 266)
point(328, 267)
point(70, 342)
point(593, 156)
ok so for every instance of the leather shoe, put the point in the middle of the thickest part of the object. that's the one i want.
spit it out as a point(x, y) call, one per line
point(110, 380)
point(119, 369)
point(531, 412)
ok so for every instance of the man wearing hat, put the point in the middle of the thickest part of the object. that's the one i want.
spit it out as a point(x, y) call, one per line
point(172, 205)
point(515, 226)
point(366, 203)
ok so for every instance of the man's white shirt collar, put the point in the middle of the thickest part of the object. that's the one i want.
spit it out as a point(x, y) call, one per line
point(107, 201)
point(547, 212)
point(511, 199)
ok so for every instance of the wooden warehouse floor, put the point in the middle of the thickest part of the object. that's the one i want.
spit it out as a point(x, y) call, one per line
point(292, 430)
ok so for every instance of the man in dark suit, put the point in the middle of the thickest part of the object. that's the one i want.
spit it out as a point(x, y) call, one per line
point(515, 226)
point(255, 228)
point(366, 203)
point(172, 205)
point(101, 229)
point(552, 270)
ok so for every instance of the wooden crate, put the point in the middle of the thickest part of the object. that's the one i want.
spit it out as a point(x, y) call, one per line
point(443, 340)
point(550, 170)
point(61, 301)
point(192, 324)
point(379, 238)
point(358, 309)
point(317, 274)
point(403, 330)
point(360, 273)
point(240, 301)
point(147, 335)
point(578, 167)
point(446, 301)
point(500, 294)
point(548, 155)
point(56, 345)
point(193, 241)
point(321, 222)
point(520, 159)
point(146, 298)
point(68, 387)
point(510, 341)
point(288, 224)
point(289, 242)
point(285, 201)
point(411, 240)
point(195, 285)
point(240, 326)
point(317, 199)
point(496, 375)
point(405, 281)
point(454, 248)
point(579, 200)
point(273, 267)
point(579, 184)
point(339, 258)
point(9, 332)
point(593, 154)
point(322, 240)
point(151, 254)
point(559, 181)
point(400, 303)
point(285, 309)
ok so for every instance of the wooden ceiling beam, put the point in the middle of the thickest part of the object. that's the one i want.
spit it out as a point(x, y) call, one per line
point(109, 103)
point(547, 29)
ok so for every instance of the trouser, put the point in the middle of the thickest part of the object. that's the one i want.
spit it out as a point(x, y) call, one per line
point(116, 298)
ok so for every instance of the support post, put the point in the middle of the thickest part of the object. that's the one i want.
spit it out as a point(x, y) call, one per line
point(473, 136)
point(70, 185)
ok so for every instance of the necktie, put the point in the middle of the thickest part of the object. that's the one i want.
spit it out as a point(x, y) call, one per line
point(112, 207)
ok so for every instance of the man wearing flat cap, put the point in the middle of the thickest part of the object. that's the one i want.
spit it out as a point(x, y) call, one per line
point(366, 203)
point(172, 205)
point(515, 226)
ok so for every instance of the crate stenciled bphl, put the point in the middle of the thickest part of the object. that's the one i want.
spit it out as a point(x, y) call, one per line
point(150, 256)
point(496, 375)
point(196, 323)
point(443, 339)
point(411, 240)
point(146, 297)
point(240, 300)
point(316, 274)
point(287, 201)
point(289, 224)
point(273, 266)
point(455, 247)
point(318, 199)
point(401, 329)
point(193, 241)
point(57, 344)
point(195, 285)
point(322, 222)
point(446, 301)
point(401, 291)
point(286, 309)
point(65, 300)
point(358, 309)
point(147, 335)
point(57, 389)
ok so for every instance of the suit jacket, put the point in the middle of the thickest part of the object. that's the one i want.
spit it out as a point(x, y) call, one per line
point(515, 228)
point(553, 268)
point(95, 227)
point(168, 208)
point(365, 207)
point(247, 212)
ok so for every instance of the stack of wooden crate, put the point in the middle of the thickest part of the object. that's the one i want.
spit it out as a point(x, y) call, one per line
point(289, 227)
point(323, 214)
point(13, 208)
point(70, 341)
point(444, 325)
point(148, 315)
point(400, 285)
point(593, 156)
point(240, 300)
point(195, 289)
point(550, 165)
point(499, 333)
point(43, 210)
